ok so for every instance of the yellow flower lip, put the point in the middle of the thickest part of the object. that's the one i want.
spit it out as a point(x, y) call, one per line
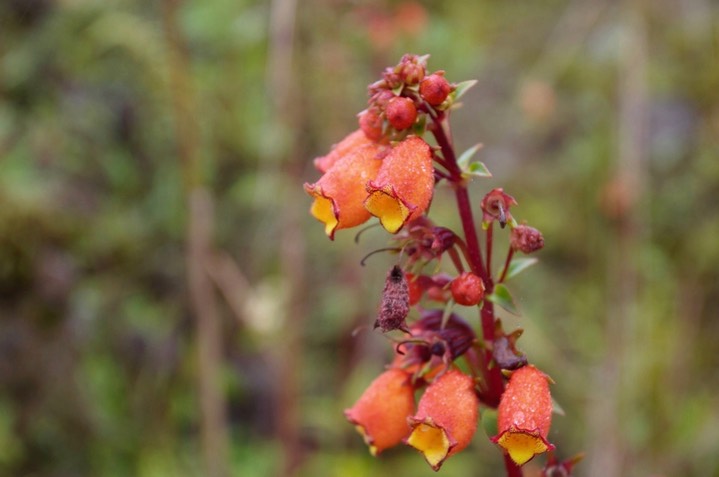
point(403, 188)
point(383, 202)
point(431, 440)
point(522, 445)
point(323, 209)
point(446, 418)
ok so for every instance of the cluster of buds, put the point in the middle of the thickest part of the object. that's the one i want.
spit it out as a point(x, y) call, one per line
point(399, 101)
point(386, 169)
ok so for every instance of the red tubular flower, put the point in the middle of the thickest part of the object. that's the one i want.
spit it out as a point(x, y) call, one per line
point(446, 418)
point(525, 415)
point(404, 185)
point(380, 414)
point(346, 146)
point(340, 193)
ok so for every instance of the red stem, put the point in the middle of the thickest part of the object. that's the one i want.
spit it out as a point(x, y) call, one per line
point(510, 254)
point(513, 470)
point(490, 234)
point(493, 376)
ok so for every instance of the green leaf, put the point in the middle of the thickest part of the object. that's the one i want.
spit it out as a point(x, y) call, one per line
point(501, 296)
point(462, 88)
point(469, 168)
point(477, 169)
point(466, 157)
point(517, 266)
point(556, 408)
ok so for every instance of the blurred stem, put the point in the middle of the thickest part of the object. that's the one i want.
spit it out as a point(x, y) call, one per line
point(213, 425)
point(609, 449)
point(286, 121)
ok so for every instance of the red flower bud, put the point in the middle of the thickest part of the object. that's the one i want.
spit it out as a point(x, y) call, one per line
point(525, 415)
point(411, 69)
point(380, 415)
point(404, 185)
point(370, 123)
point(401, 113)
point(446, 418)
point(467, 289)
point(435, 88)
point(526, 239)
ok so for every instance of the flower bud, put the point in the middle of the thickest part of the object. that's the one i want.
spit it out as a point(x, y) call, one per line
point(526, 239)
point(446, 418)
point(525, 415)
point(370, 123)
point(411, 69)
point(380, 415)
point(435, 88)
point(401, 113)
point(340, 193)
point(403, 188)
point(467, 289)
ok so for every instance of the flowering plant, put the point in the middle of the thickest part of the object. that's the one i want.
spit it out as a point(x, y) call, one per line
point(387, 169)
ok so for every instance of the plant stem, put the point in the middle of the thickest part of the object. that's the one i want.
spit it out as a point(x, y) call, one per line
point(490, 235)
point(510, 254)
point(492, 375)
point(513, 470)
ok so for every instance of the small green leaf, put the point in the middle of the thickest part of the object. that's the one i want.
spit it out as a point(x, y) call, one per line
point(518, 265)
point(469, 168)
point(477, 169)
point(501, 296)
point(462, 88)
point(466, 157)
point(557, 409)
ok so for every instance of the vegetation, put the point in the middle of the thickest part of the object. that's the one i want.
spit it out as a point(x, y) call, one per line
point(169, 307)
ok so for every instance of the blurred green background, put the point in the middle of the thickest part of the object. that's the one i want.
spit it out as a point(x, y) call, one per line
point(169, 308)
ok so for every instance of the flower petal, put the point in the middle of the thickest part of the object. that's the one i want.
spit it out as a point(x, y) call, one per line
point(404, 185)
point(380, 414)
point(340, 193)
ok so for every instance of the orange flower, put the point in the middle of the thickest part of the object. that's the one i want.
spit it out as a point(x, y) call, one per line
point(380, 414)
point(525, 415)
point(446, 418)
point(340, 192)
point(346, 146)
point(404, 185)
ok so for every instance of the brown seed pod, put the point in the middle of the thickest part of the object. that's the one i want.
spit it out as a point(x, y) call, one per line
point(395, 302)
